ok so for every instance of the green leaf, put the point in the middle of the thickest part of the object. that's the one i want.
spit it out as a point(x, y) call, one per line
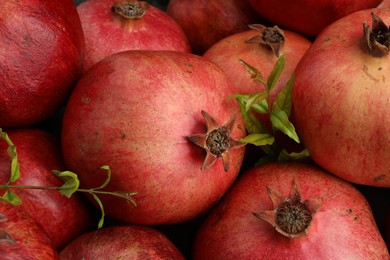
point(107, 168)
point(265, 159)
point(15, 171)
point(275, 73)
point(11, 198)
point(255, 99)
point(279, 120)
point(99, 202)
point(255, 74)
point(285, 156)
point(71, 182)
point(283, 100)
point(261, 107)
point(258, 139)
point(252, 124)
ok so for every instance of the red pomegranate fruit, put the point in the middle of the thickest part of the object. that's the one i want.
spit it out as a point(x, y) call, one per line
point(139, 111)
point(21, 237)
point(341, 98)
point(306, 16)
point(112, 26)
point(290, 211)
point(206, 22)
point(38, 154)
point(122, 242)
point(41, 59)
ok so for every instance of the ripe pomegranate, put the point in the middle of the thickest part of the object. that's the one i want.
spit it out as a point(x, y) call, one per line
point(206, 22)
point(125, 242)
point(256, 47)
point(384, 4)
point(306, 16)
point(290, 211)
point(21, 237)
point(38, 152)
point(341, 98)
point(138, 111)
point(41, 61)
point(112, 26)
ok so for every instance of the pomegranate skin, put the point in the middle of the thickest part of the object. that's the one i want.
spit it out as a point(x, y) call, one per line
point(206, 22)
point(42, 60)
point(340, 102)
point(134, 111)
point(39, 153)
point(306, 16)
point(126, 242)
point(107, 32)
point(343, 227)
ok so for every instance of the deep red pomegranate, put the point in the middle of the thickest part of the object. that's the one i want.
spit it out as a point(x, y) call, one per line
point(41, 58)
point(341, 98)
point(21, 237)
point(306, 16)
point(122, 242)
point(290, 211)
point(206, 22)
point(139, 112)
point(39, 153)
point(112, 26)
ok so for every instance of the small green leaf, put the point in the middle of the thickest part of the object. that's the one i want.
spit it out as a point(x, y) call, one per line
point(11, 198)
point(283, 100)
point(71, 182)
point(279, 120)
point(107, 168)
point(255, 99)
point(15, 172)
point(285, 156)
point(252, 124)
point(275, 73)
point(99, 202)
point(258, 139)
point(261, 107)
point(255, 74)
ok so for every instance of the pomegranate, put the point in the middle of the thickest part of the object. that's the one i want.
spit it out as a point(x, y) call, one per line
point(38, 153)
point(384, 4)
point(42, 60)
point(125, 242)
point(341, 98)
point(306, 16)
point(21, 237)
point(290, 211)
point(138, 111)
point(112, 26)
point(206, 22)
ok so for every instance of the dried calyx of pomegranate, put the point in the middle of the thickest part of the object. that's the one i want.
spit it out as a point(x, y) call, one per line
point(217, 141)
point(130, 9)
point(377, 38)
point(271, 36)
point(291, 217)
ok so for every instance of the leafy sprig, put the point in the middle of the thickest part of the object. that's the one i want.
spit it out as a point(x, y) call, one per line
point(278, 113)
point(70, 186)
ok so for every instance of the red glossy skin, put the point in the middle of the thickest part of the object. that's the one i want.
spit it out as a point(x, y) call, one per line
point(306, 16)
point(133, 111)
point(341, 100)
point(31, 241)
point(38, 153)
point(41, 61)
point(206, 22)
point(343, 227)
point(107, 33)
point(122, 242)
point(384, 4)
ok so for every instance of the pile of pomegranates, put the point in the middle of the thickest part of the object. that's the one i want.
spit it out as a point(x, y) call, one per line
point(171, 129)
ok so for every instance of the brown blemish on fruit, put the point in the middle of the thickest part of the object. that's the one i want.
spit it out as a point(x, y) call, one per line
point(380, 177)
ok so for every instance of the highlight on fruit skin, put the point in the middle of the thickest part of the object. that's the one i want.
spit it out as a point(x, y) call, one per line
point(292, 216)
point(216, 141)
